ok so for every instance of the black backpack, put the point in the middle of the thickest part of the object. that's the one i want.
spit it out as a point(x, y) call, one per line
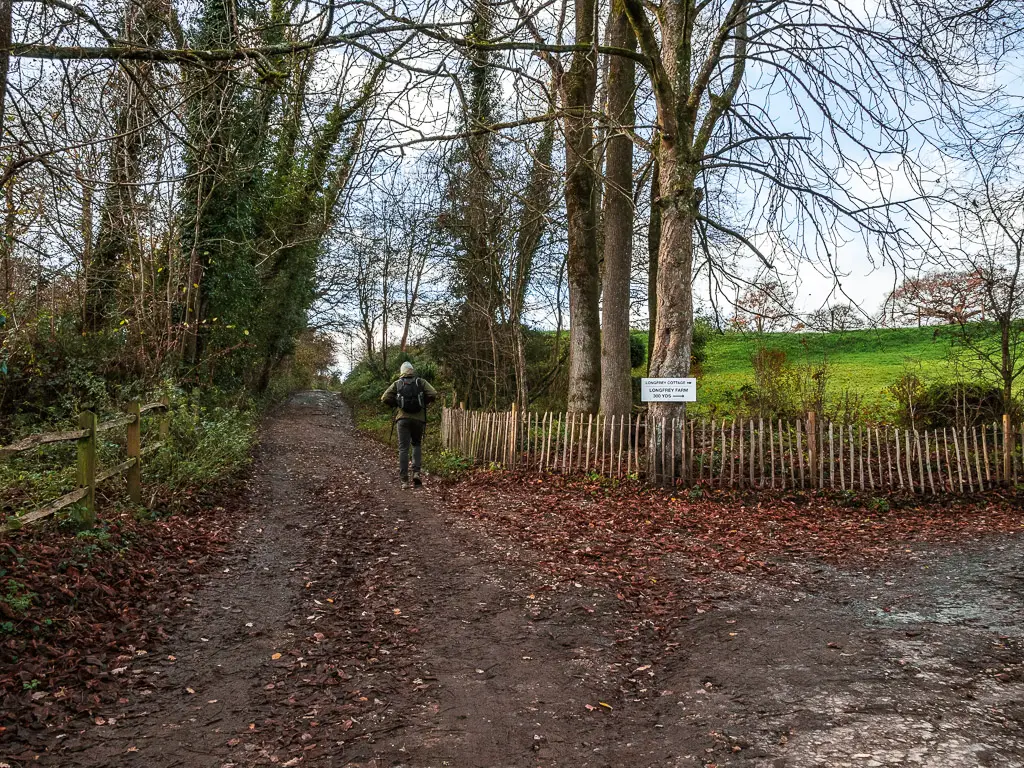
point(409, 395)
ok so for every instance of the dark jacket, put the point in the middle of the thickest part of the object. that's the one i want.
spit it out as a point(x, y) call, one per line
point(430, 395)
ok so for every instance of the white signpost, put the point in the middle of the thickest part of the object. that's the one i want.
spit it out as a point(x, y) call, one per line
point(668, 390)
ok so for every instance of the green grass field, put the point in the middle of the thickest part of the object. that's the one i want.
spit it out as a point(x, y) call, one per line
point(863, 362)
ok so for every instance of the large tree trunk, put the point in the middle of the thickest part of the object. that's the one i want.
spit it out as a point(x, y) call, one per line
point(674, 329)
point(579, 85)
point(616, 381)
point(653, 245)
point(1006, 367)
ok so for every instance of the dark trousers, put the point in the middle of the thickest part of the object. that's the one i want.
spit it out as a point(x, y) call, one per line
point(410, 432)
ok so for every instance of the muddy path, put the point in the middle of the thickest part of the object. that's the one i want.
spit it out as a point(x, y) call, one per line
point(355, 624)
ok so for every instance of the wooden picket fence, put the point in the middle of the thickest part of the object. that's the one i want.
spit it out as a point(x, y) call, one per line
point(90, 475)
point(742, 453)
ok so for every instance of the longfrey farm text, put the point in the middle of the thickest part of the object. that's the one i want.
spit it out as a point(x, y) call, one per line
point(668, 390)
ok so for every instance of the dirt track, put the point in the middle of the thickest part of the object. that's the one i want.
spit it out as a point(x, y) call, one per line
point(411, 635)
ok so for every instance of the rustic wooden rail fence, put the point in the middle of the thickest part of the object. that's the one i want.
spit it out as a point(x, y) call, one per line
point(743, 453)
point(90, 474)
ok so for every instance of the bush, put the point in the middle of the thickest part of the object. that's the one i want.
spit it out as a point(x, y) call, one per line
point(637, 351)
point(52, 374)
point(946, 404)
point(783, 390)
point(702, 333)
point(205, 443)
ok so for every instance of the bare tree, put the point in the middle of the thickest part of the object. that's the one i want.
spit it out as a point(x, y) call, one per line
point(988, 244)
point(144, 24)
point(713, 66)
point(766, 306)
point(948, 297)
point(836, 318)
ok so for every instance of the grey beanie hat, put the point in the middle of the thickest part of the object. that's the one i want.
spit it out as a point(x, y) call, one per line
point(406, 368)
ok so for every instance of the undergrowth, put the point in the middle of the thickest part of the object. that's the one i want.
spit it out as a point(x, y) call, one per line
point(207, 442)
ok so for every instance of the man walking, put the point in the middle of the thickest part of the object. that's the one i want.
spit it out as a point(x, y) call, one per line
point(410, 395)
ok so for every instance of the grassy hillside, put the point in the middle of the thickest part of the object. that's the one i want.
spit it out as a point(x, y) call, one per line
point(863, 362)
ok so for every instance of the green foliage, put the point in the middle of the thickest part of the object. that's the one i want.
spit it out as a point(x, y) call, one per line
point(16, 597)
point(864, 362)
point(637, 350)
point(54, 372)
point(783, 390)
point(703, 332)
point(856, 367)
point(31, 479)
point(940, 404)
point(206, 442)
point(907, 392)
point(450, 464)
point(92, 542)
point(268, 179)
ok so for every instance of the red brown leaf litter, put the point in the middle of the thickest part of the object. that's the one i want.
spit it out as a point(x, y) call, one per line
point(507, 620)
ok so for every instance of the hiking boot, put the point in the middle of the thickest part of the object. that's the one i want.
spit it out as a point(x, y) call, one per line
point(417, 481)
point(405, 485)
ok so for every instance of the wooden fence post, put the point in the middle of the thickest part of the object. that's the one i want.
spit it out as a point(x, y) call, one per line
point(1007, 451)
point(513, 436)
point(812, 442)
point(87, 467)
point(134, 450)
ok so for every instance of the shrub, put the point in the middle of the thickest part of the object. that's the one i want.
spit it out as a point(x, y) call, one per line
point(637, 351)
point(702, 333)
point(205, 443)
point(783, 390)
point(944, 404)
